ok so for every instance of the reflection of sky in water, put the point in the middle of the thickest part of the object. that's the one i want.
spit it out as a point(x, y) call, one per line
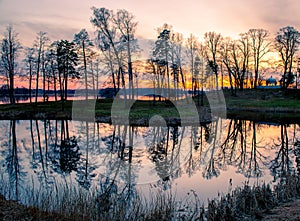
point(161, 158)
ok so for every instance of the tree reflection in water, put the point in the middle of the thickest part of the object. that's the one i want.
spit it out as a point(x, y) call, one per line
point(119, 156)
point(282, 165)
point(85, 169)
point(241, 150)
point(210, 169)
point(297, 154)
point(164, 148)
point(65, 154)
point(12, 161)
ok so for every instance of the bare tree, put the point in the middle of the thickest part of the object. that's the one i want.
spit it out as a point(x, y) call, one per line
point(39, 46)
point(127, 27)
point(9, 50)
point(97, 64)
point(228, 56)
point(29, 61)
point(177, 62)
point(52, 68)
point(192, 47)
point(235, 55)
point(83, 41)
point(103, 20)
point(244, 47)
point(260, 46)
point(212, 43)
point(287, 42)
point(108, 60)
point(153, 67)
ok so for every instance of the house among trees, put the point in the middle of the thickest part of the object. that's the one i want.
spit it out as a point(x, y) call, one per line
point(271, 81)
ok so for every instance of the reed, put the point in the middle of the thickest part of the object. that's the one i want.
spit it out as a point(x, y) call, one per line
point(67, 202)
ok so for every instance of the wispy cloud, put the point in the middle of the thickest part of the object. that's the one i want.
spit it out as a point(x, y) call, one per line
point(276, 13)
point(193, 16)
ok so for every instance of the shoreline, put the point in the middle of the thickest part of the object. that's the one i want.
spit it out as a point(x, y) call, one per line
point(265, 114)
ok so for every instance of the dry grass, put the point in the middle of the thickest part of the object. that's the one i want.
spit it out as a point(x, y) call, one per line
point(69, 203)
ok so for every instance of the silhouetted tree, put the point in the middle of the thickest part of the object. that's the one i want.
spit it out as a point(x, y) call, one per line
point(29, 62)
point(287, 42)
point(162, 53)
point(84, 43)
point(67, 59)
point(260, 46)
point(245, 52)
point(10, 47)
point(212, 44)
point(228, 55)
point(177, 62)
point(192, 51)
point(52, 67)
point(125, 23)
point(235, 55)
point(107, 35)
point(39, 47)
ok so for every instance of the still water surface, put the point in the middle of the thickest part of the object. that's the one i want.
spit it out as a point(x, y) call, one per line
point(204, 159)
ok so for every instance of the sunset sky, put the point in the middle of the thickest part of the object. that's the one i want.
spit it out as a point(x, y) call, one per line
point(63, 18)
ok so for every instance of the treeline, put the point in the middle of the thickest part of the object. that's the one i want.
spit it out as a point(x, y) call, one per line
point(174, 62)
point(4, 90)
point(22, 91)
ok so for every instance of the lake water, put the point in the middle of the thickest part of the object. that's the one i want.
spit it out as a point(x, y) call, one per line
point(25, 99)
point(205, 159)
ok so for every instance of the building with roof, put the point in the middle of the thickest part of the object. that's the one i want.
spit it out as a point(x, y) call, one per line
point(271, 81)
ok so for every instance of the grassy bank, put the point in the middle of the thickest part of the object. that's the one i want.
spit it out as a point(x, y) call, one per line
point(268, 98)
point(261, 105)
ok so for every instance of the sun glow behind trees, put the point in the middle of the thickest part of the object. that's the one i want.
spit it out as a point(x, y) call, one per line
point(112, 56)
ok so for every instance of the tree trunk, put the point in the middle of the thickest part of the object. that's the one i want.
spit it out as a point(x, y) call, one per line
point(85, 71)
point(131, 90)
point(11, 75)
point(30, 80)
point(37, 75)
point(11, 89)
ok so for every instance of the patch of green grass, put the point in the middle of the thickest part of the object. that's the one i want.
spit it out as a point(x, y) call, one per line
point(145, 109)
point(290, 103)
